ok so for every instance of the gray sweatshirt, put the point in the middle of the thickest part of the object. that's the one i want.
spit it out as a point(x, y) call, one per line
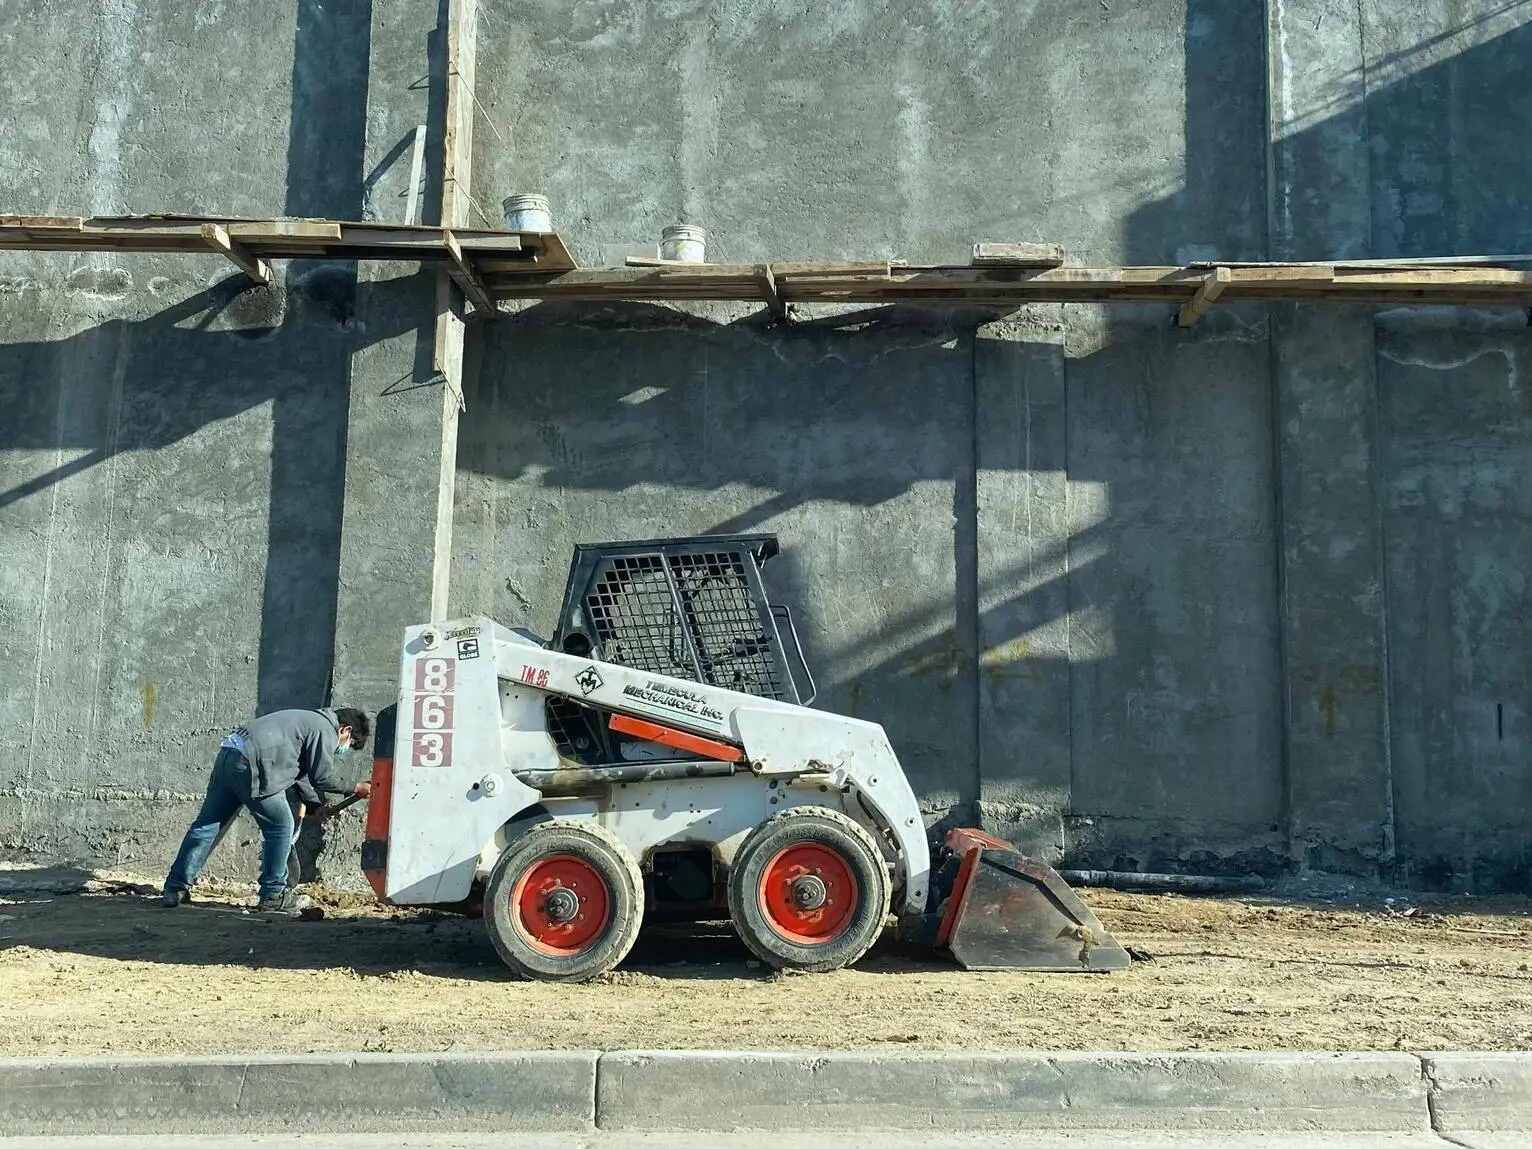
point(293, 747)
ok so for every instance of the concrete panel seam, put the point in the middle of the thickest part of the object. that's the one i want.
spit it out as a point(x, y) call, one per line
point(1379, 477)
point(1279, 535)
point(1428, 1076)
point(1478, 1092)
point(595, 1091)
point(966, 546)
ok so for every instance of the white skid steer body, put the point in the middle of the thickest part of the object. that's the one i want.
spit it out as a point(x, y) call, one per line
point(565, 795)
point(473, 754)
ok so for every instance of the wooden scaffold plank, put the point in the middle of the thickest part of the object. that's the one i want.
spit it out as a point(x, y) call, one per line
point(491, 266)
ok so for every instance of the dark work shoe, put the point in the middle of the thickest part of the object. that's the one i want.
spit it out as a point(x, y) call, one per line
point(289, 904)
point(174, 898)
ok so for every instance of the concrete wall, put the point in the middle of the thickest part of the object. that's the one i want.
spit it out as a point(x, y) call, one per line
point(1242, 596)
point(1133, 595)
point(178, 536)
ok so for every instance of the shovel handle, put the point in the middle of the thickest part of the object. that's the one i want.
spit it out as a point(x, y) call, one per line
point(330, 811)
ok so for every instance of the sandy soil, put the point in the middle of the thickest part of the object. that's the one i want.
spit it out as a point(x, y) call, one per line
point(108, 970)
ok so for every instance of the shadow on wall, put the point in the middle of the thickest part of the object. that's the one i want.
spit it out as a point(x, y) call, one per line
point(326, 154)
point(141, 386)
point(853, 444)
point(1114, 651)
point(220, 353)
point(1432, 127)
point(232, 348)
point(1118, 654)
point(1053, 658)
point(991, 621)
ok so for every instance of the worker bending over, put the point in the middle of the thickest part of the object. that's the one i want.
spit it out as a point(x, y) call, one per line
point(256, 767)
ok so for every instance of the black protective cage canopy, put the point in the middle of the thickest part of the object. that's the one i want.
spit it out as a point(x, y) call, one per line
point(693, 608)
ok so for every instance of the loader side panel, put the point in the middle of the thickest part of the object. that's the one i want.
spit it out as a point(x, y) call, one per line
point(452, 786)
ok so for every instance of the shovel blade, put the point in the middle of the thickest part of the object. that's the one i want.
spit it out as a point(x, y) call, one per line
point(1009, 911)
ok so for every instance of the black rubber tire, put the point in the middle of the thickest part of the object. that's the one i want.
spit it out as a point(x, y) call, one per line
point(859, 851)
point(603, 852)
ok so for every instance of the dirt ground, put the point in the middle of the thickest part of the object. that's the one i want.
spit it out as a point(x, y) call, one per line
point(106, 969)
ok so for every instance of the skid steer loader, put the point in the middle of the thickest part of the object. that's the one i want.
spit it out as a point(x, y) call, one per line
point(658, 755)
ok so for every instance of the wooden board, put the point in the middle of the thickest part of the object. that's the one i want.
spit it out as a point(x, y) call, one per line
point(457, 165)
point(528, 265)
point(218, 239)
point(1017, 255)
point(269, 239)
point(464, 276)
point(1213, 285)
point(1011, 287)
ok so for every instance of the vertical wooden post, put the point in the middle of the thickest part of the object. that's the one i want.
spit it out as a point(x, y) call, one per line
point(457, 168)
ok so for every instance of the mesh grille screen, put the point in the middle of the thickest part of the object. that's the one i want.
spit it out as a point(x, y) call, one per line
point(686, 615)
point(575, 729)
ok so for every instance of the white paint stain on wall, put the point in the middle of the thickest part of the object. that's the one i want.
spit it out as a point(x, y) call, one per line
point(1284, 111)
point(913, 160)
point(699, 96)
point(1453, 362)
point(116, 34)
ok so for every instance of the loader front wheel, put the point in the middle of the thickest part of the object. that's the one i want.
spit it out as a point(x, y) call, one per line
point(808, 890)
point(565, 901)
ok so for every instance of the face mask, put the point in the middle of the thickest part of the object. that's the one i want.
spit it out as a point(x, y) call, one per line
point(343, 748)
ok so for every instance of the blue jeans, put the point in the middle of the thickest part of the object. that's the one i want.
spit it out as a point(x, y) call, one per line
point(227, 790)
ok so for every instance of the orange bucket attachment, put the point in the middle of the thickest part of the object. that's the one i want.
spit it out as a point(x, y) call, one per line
point(1009, 911)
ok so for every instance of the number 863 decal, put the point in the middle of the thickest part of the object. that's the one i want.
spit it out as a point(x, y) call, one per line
point(433, 712)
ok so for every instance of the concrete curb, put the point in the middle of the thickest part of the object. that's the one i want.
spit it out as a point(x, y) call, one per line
point(319, 1093)
point(1373, 1092)
point(1394, 1093)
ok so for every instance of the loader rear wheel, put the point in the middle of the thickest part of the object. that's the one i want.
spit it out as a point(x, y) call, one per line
point(564, 902)
point(808, 890)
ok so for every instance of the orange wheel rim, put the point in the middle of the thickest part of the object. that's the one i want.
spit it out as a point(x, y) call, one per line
point(561, 905)
point(808, 893)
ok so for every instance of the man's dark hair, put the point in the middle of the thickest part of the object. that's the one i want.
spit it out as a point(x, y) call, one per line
point(360, 727)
